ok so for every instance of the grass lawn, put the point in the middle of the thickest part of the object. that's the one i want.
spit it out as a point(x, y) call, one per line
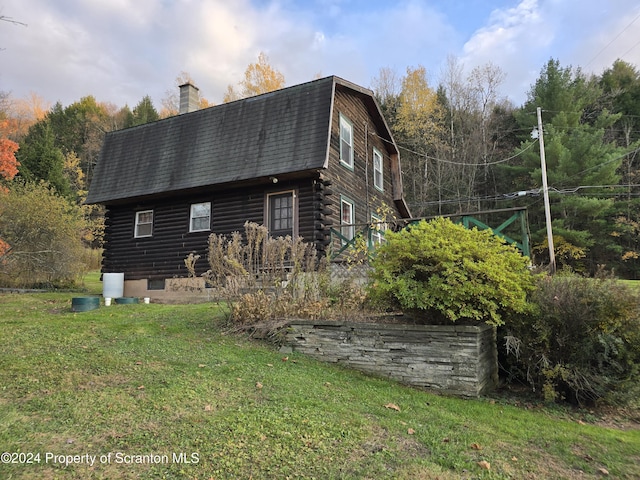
point(159, 391)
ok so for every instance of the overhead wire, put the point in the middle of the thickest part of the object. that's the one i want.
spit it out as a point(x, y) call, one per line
point(613, 40)
point(463, 164)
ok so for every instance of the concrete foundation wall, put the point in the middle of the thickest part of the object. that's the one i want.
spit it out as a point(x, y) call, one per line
point(176, 290)
point(459, 360)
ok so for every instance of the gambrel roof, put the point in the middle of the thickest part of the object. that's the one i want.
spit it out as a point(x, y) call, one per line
point(281, 132)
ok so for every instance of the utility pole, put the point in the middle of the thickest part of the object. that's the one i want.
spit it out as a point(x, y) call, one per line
point(545, 193)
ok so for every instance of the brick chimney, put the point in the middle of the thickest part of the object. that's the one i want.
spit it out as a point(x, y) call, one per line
point(188, 98)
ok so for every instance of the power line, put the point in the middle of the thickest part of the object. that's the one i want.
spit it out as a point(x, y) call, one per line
point(463, 164)
point(614, 39)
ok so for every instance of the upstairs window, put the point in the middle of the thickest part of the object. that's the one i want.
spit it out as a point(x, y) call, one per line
point(378, 178)
point(346, 142)
point(144, 223)
point(200, 218)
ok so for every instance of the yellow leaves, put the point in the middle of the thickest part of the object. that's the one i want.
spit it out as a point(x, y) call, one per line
point(484, 464)
point(420, 114)
point(73, 171)
point(392, 406)
point(259, 78)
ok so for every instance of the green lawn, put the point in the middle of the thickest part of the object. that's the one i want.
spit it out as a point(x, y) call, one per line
point(159, 391)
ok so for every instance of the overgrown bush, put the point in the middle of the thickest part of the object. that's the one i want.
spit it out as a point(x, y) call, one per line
point(263, 278)
point(265, 281)
point(582, 342)
point(42, 235)
point(442, 272)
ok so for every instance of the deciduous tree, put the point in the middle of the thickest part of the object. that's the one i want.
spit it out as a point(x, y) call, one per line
point(418, 127)
point(8, 162)
point(259, 77)
point(41, 237)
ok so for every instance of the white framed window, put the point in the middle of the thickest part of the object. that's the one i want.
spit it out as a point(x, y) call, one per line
point(144, 224)
point(378, 228)
point(347, 216)
point(200, 217)
point(346, 142)
point(378, 177)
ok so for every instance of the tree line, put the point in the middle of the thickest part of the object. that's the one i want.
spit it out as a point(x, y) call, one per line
point(464, 148)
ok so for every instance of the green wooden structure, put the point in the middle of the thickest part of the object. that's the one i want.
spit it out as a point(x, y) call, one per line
point(373, 233)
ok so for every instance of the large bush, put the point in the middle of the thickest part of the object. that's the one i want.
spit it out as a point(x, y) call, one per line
point(443, 272)
point(582, 342)
point(41, 234)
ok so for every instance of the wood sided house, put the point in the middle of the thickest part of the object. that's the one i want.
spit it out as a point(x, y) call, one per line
point(307, 160)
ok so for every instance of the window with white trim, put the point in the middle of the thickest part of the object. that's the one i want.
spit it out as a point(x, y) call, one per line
point(200, 217)
point(378, 228)
point(378, 178)
point(144, 224)
point(346, 142)
point(347, 216)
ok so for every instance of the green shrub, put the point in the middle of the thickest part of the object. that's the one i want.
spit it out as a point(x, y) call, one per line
point(43, 232)
point(443, 272)
point(582, 343)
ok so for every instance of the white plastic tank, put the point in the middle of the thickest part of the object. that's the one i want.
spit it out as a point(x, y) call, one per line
point(113, 285)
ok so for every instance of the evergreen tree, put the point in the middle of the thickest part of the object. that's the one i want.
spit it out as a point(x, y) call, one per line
point(41, 159)
point(582, 164)
point(143, 112)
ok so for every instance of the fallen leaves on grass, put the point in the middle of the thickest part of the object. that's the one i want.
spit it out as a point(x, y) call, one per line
point(392, 406)
point(484, 464)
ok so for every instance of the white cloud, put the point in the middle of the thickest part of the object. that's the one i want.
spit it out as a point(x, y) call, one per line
point(522, 39)
point(121, 50)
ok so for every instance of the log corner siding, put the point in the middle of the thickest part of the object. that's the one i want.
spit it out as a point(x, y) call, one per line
point(453, 359)
point(234, 159)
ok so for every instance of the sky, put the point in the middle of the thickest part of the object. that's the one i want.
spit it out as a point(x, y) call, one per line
point(122, 50)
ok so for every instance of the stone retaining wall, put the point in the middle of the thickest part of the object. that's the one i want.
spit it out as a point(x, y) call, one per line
point(459, 360)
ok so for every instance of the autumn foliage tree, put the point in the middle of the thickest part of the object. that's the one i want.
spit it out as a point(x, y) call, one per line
point(418, 126)
point(8, 162)
point(8, 170)
point(259, 78)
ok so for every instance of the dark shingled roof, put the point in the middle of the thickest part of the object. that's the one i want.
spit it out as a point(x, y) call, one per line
point(281, 132)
